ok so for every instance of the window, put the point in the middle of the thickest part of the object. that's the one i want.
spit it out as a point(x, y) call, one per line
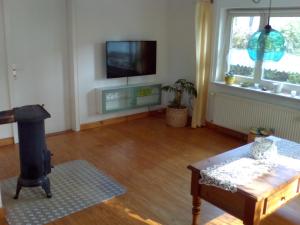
point(287, 69)
point(241, 29)
point(241, 25)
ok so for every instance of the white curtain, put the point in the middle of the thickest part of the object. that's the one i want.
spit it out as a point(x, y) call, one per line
point(204, 26)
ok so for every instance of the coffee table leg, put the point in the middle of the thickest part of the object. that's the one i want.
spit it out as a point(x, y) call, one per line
point(251, 223)
point(253, 212)
point(196, 209)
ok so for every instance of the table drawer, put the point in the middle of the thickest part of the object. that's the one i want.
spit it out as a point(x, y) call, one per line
point(279, 198)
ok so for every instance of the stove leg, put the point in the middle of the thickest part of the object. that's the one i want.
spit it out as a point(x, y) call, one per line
point(19, 186)
point(46, 187)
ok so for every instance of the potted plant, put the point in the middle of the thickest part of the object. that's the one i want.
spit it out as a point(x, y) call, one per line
point(229, 78)
point(177, 113)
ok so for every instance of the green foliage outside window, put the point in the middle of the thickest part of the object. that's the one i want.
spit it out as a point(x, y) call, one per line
point(290, 77)
point(291, 34)
point(242, 70)
point(274, 75)
point(294, 78)
point(240, 40)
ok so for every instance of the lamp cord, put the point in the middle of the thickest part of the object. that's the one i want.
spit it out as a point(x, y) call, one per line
point(270, 5)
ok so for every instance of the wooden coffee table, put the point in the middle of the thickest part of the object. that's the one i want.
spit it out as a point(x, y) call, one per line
point(250, 203)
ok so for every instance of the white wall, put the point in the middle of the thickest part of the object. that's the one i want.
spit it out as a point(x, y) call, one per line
point(181, 40)
point(5, 130)
point(220, 8)
point(99, 21)
point(92, 22)
point(181, 43)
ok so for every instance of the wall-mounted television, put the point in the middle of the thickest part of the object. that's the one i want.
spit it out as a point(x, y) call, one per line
point(130, 58)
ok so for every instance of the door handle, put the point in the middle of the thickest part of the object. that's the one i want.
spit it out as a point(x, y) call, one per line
point(14, 73)
point(13, 69)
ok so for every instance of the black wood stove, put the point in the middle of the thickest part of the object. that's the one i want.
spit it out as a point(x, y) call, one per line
point(35, 158)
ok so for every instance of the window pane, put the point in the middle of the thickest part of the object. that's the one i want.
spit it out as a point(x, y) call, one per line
point(239, 61)
point(287, 69)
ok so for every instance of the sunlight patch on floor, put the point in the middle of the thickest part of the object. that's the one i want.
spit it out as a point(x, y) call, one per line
point(137, 217)
point(225, 219)
point(131, 214)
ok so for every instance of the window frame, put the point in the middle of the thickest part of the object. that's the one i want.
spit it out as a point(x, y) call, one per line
point(258, 73)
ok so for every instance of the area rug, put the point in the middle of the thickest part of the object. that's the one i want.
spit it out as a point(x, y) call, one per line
point(75, 185)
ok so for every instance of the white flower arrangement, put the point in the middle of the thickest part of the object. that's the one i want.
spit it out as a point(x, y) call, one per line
point(264, 149)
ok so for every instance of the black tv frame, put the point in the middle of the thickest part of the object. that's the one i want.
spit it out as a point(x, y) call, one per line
point(119, 75)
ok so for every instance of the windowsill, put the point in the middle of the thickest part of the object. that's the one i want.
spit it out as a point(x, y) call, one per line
point(252, 89)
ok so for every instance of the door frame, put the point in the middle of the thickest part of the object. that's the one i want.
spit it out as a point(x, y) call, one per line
point(9, 68)
point(70, 16)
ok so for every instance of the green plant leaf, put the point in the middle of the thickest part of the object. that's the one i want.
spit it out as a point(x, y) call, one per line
point(179, 87)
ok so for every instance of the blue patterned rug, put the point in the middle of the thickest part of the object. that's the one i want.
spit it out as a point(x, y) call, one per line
point(75, 185)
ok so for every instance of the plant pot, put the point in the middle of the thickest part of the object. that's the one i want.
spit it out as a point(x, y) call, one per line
point(229, 80)
point(176, 117)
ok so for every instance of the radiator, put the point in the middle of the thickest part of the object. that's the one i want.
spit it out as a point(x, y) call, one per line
point(241, 114)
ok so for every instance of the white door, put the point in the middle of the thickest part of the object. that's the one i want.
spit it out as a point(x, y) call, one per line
point(37, 57)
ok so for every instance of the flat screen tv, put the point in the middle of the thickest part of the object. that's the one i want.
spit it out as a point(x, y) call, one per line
point(130, 58)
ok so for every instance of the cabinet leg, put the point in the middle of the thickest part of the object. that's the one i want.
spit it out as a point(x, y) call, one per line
point(196, 210)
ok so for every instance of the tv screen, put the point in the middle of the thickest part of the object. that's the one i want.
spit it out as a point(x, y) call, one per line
point(130, 58)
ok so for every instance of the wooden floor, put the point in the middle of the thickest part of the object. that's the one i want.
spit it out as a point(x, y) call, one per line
point(150, 160)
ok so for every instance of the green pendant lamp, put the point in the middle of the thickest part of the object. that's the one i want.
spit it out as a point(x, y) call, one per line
point(266, 44)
